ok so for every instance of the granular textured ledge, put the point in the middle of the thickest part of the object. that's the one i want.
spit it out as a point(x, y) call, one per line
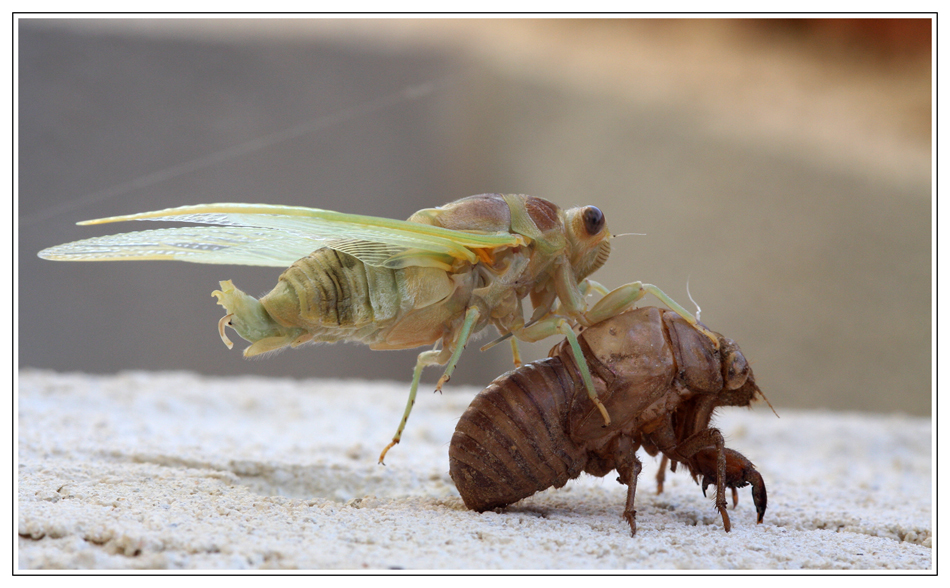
point(178, 471)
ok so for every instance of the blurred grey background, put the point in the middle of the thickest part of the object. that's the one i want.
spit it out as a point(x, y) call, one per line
point(782, 168)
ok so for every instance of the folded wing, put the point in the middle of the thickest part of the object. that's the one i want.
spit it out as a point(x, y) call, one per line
point(269, 235)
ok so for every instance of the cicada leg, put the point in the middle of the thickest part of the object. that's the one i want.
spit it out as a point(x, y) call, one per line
point(711, 440)
point(586, 287)
point(515, 353)
point(426, 358)
point(555, 325)
point(588, 284)
point(628, 466)
point(661, 474)
point(447, 356)
point(739, 472)
point(471, 317)
point(623, 297)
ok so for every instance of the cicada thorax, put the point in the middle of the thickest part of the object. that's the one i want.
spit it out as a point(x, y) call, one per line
point(507, 275)
point(495, 213)
point(513, 439)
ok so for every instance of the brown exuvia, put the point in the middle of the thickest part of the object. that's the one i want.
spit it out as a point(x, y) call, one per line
point(660, 379)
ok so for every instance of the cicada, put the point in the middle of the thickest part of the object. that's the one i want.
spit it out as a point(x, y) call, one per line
point(435, 279)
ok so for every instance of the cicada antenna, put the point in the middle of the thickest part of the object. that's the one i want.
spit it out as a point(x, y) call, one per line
point(614, 236)
point(762, 394)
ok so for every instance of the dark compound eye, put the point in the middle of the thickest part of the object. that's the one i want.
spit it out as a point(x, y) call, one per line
point(593, 220)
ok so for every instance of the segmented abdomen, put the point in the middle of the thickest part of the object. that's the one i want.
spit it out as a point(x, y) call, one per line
point(332, 289)
point(512, 441)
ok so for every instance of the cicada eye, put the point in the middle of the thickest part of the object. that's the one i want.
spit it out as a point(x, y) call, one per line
point(593, 220)
point(737, 369)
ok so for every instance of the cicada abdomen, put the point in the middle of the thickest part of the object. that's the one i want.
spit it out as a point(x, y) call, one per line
point(331, 296)
point(512, 441)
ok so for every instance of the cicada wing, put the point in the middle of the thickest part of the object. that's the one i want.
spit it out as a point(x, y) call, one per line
point(216, 245)
point(374, 240)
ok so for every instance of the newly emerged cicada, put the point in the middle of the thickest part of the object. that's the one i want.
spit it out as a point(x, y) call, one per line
point(437, 278)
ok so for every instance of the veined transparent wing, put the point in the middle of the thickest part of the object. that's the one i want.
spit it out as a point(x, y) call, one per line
point(257, 234)
point(217, 245)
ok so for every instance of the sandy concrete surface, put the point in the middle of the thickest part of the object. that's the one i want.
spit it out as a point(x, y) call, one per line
point(176, 471)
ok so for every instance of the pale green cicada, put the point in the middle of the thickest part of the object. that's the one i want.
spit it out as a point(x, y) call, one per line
point(435, 279)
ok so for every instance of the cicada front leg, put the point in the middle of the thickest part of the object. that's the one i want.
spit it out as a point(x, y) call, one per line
point(447, 356)
point(588, 284)
point(624, 297)
point(556, 325)
point(711, 441)
point(572, 304)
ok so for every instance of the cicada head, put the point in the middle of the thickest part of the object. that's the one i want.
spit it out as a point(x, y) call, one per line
point(588, 239)
point(739, 387)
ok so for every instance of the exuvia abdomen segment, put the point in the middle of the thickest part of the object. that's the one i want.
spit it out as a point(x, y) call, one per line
point(507, 445)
